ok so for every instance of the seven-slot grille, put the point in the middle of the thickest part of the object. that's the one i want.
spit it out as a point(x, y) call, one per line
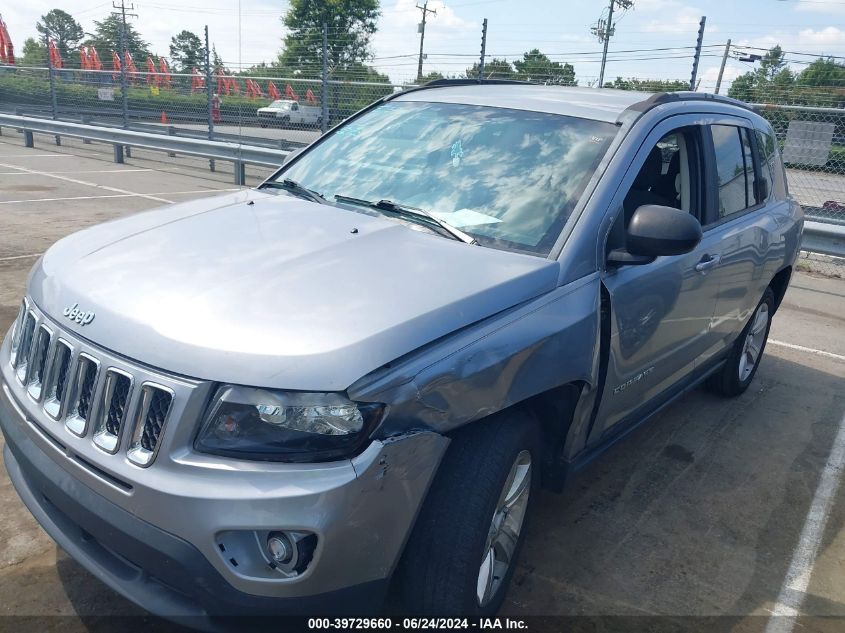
point(85, 393)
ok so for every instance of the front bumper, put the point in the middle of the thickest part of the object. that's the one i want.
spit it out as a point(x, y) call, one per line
point(168, 562)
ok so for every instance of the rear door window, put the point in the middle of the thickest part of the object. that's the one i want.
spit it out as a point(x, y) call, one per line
point(734, 169)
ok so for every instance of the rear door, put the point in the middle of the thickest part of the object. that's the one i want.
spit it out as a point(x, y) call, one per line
point(742, 225)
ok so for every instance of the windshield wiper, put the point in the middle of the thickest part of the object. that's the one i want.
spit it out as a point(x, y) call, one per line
point(295, 188)
point(410, 213)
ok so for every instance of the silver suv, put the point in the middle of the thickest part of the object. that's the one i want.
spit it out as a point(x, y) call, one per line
point(284, 399)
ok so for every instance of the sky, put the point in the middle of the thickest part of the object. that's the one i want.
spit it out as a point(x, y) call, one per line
point(251, 31)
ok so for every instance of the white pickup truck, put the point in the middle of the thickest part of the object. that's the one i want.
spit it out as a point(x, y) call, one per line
point(286, 112)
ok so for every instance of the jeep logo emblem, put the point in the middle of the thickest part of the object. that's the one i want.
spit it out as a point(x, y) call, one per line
point(77, 315)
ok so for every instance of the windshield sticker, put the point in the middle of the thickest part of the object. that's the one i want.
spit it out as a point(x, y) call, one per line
point(465, 217)
point(457, 153)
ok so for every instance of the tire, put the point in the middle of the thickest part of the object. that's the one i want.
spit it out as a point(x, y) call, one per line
point(742, 364)
point(440, 570)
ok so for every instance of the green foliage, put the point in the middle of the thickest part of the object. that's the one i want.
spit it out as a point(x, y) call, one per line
point(432, 76)
point(535, 66)
point(821, 83)
point(647, 85)
point(66, 32)
point(216, 60)
point(106, 38)
point(187, 52)
point(351, 24)
point(34, 53)
point(493, 69)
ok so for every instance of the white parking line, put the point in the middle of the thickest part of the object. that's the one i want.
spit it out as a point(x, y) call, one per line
point(804, 556)
point(8, 259)
point(79, 171)
point(808, 350)
point(120, 195)
point(37, 156)
point(83, 182)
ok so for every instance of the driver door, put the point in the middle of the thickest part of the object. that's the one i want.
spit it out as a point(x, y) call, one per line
point(660, 312)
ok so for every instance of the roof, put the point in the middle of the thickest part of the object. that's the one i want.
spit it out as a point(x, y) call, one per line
point(606, 104)
point(588, 103)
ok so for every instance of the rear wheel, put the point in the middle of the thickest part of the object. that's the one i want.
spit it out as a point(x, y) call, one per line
point(462, 551)
point(742, 364)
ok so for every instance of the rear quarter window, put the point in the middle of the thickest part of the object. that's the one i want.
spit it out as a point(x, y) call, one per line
point(771, 161)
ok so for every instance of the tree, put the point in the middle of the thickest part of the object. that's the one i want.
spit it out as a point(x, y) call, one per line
point(106, 37)
point(33, 53)
point(771, 82)
point(771, 64)
point(647, 85)
point(63, 30)
point(432, 76)
point(187, 52)
point(742, 87)
point(535, 66)
point(493, 69)
point(823, 72)
point(216, 60)
point(351, 24)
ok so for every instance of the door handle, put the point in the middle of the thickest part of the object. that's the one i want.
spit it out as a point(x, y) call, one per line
point(707, 262)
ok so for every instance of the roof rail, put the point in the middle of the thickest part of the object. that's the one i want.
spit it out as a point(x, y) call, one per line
point(435, 83)
point(660, 98)
point(446, 83)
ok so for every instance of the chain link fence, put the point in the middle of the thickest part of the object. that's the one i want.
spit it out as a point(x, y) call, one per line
point(283, 112)
point(812, 143)
point(289, 112)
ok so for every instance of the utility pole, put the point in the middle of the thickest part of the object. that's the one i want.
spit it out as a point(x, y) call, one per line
point(123, 83)
point(324, 82)
point(722, 67)
point(604, 30)
point(483, 49)
point(698, 42)
point(425, 11)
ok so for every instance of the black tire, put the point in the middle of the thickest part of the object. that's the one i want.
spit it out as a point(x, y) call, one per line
point(439, 571)
point(727, 381)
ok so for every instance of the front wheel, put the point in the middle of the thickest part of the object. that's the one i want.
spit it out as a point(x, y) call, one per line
point(463, 549)
point(742, 364)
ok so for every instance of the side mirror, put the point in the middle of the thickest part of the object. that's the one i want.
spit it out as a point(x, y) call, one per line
point(655, 230)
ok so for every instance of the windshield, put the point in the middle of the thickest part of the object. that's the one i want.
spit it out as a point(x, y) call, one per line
point(280, 105)
point(508, 178)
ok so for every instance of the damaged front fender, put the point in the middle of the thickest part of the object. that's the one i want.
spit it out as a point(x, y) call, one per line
point(496, 363)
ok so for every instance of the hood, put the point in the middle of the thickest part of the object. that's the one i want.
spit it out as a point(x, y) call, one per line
point(280, 293)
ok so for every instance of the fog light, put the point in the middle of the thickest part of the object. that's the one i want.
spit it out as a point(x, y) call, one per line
point(279, 548)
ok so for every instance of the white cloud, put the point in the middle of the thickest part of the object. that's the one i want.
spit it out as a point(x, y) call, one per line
point(683, 20)
point(821, 6)
point(445, 32)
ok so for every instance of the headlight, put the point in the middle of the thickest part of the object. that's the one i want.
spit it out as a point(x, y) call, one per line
point(285, 426)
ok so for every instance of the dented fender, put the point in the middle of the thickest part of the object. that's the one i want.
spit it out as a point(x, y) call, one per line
point(540, 345)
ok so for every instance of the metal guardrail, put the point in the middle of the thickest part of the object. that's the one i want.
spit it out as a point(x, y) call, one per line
point(236, 153)
point(827, 239)
point(819, 237)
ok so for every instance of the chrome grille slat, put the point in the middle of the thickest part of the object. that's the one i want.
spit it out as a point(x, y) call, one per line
point(35, 375)
point(154, 408)
point(16, 333)
point(24, 347)
point(109, 403)
point(82, 388)
point(114, 406)
point(57, 378)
